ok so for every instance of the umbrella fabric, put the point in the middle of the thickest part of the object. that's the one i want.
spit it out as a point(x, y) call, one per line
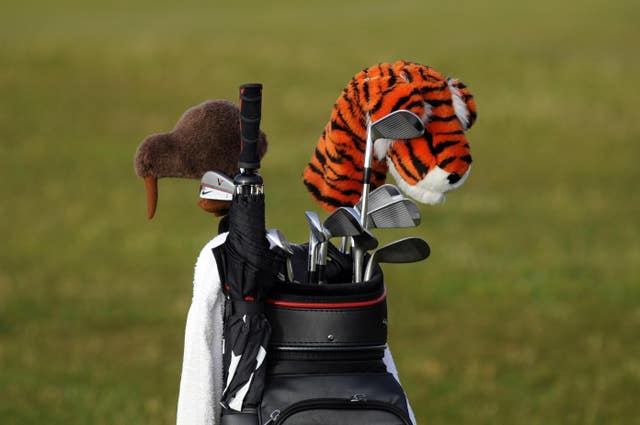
point(250, 270)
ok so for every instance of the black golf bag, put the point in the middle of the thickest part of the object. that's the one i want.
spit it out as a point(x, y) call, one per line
point(325, 357)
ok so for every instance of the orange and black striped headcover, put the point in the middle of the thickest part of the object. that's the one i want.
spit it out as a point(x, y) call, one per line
point(424, 168)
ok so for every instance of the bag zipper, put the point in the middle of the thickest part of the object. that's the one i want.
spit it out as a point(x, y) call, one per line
point(357, 401)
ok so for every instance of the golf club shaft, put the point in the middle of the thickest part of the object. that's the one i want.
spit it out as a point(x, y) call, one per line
point(358, 252)
point(366, 178)
point(358, 259)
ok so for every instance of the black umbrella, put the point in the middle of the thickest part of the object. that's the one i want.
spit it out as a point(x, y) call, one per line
point(249, 269)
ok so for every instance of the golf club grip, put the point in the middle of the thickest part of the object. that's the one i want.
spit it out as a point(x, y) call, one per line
point(250, 114)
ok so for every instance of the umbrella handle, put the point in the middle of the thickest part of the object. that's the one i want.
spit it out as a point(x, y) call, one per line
point(250, 115)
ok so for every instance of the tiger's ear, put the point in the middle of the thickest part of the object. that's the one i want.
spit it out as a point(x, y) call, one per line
point(463, 103)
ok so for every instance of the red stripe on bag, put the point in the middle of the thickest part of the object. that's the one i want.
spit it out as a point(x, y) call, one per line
point(354, 304)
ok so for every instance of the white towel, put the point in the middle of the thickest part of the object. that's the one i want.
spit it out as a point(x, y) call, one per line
point(201, 382)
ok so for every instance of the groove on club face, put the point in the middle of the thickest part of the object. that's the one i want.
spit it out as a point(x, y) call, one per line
point(398, 213)
point(400, 124)
point(380, 196)
point(407, 250)
point(343, 221)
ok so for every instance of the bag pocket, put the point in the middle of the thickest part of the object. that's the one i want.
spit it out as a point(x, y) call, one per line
point(332, 411)
point(339, 399)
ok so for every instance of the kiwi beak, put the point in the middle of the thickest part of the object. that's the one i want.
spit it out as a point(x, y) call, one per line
point(151, 187)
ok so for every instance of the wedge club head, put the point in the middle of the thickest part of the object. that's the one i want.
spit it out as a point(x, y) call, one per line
point(407, 250)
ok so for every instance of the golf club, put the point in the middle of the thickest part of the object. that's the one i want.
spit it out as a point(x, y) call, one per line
point(395, 214)
point(316, 236)
point(343, 221)
point(407, 250)
point(361, 244)
point(400, 124)
point(217, 186)
point(276, 237)
point(380, 196)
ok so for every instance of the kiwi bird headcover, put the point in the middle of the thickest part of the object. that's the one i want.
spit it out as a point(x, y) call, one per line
point(206, 138)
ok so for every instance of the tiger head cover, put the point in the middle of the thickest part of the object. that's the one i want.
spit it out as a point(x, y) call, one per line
point(425, 167)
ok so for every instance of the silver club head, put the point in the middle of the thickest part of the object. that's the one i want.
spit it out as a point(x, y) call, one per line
point(316, 236)
point(276, 238)
point(407, 250)
point(361, 244)
point(400, 124)
point(380, 196)
point(365, 241)
point(343, 221)
point(216, 185)
point(395, 214)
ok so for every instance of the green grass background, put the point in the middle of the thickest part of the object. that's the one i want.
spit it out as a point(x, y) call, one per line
point(527, 312)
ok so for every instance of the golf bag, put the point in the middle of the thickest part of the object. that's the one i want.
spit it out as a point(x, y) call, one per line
point(325, 356)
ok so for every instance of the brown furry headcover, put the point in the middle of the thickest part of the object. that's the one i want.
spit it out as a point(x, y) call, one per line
point(206, 138)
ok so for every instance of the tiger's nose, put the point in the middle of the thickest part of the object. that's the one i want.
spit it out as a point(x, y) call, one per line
point(453, 178)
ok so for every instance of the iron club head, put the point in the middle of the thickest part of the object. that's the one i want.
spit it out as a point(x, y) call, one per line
point(407, 250)
point(400, 124)
point(216, 185)
point(395, 214)
point(316, 236)
point(276, 238)
point(380, 196)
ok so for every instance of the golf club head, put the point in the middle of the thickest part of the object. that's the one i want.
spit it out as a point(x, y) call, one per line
point(343, 221)
point(365, 241)
point(217, 186)
point(380, 196)
point(316, 237)
point(317, 232)
point(398, 213)
point(361, 244)
point(400, 124)
point(276, 237)
point(406, 250)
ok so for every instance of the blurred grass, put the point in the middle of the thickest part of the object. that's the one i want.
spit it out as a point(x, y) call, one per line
point(528, 310)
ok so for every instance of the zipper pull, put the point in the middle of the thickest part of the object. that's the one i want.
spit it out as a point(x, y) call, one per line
point(358, 398)
point(273, 417)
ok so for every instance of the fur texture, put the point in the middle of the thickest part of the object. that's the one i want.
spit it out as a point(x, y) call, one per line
point(207, 137)
point(425, 167)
